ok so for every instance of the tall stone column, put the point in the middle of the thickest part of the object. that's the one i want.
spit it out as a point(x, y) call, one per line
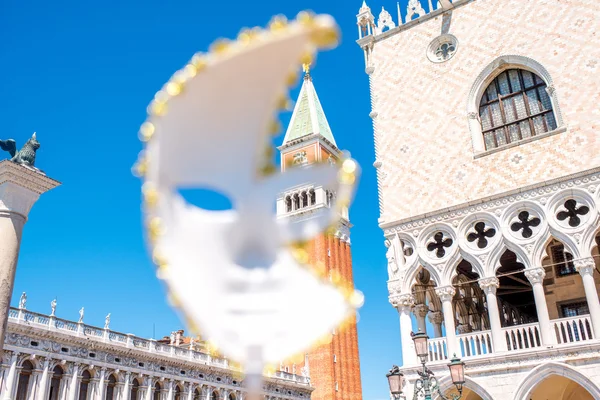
point(446, 293)
point(102, 384)
point(489, 286)
point(586, 268)
point(404, 304)
point(536, 277)
point(11, 377)
point(127, 387)
point(73, 386)
point(20, 187)
point(43, 388)
point(190, 391)
point(436, 318)
point(421, 311)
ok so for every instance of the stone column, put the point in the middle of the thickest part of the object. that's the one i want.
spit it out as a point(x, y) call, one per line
point(436, 318)
point(404, 304)
point(190, 391)
point(536, 277)
point(446, 293)
point(489, 287)
point(149, 389)
point(127, 387)
point(43, 390)
point(421, 311)
point(102, 384)
point(11, 377)
point(20, 187)
point(74, 382)
point(171, 392)
point(586, 268)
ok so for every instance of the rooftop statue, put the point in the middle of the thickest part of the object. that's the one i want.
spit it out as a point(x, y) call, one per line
point(25, 156)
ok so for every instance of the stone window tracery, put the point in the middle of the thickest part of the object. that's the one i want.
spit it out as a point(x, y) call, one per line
point(526, 222)
point(515, 106)
point(481, 235)
point(572, 212)
point(439, 244)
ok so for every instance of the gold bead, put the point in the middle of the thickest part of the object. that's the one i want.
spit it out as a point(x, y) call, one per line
point(268, 169)
point(141, 167)
point(278, 23)
point(174, 88)
point(325, 38)
point(307, 58)
point(220, 46)
point(275, 127)
point(159, 259)
point(146, 131)
point(349, 166)
point(190, 70)
point(269, 152)
point(199, 61)
point(150, 194)
point(162, 272)
point(284, 103)
point(357, 299)
point(292, 79)
point(305, 18)
point(162, 96)
point(155, 228)
point(158, 108)
point(347, 179)
point(174, 300)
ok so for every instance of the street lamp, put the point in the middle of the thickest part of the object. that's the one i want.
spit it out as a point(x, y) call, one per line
point(427, 384)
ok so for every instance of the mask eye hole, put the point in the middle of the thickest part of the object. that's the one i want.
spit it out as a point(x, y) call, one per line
point(207, 199)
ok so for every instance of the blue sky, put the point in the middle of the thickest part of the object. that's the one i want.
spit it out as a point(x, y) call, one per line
point(81, 74)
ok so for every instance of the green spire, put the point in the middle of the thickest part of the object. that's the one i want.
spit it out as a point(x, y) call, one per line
point(308, 117)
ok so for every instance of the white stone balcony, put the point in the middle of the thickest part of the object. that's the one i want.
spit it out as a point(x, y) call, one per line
point(520, 338)
point(117, 339)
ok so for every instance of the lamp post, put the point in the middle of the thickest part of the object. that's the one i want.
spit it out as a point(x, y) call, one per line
point(427, 384)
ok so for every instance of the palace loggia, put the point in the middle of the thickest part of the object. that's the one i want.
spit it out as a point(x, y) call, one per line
point(485, 120)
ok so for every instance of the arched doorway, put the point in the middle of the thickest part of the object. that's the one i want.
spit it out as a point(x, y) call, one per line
point(556, 387)
point(57, 375)
point(178, 393)
point(84, 385)
point(556, 381)
point(24, 377)
point(471, 389)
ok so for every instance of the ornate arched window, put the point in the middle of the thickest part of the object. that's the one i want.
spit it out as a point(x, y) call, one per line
point(24, 377)
point(296, 202)
point(197, 394)
point(313, 198)
point(304, 199)
point(84, 385)
point(515, 106)
point(178, 392)
point(288, 204)
point(215, 395)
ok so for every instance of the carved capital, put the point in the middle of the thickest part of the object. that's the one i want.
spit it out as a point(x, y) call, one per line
point(436, 317)
point(535, 275)
point(403, 302)
point(585, 266)
point(421, 310)
point(464, 328)
point(489, 285)
point(445, 293)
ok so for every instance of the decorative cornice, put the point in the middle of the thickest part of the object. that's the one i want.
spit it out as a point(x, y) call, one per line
point(537, 191)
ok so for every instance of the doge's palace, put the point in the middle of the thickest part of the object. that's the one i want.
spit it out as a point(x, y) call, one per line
point(50, 358)
point(485, 117)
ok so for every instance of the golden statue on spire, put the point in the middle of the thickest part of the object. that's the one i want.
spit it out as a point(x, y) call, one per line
point(306, 69)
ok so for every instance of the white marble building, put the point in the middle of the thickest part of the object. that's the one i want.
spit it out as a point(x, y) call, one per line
point(49, 358)
point(486, 117)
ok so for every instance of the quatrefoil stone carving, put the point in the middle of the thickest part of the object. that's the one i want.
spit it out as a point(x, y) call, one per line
point(481, 235)
point(525, 224)
point(439, 244)
point(572, 213)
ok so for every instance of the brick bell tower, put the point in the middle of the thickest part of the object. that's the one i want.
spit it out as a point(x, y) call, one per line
point(333, 367)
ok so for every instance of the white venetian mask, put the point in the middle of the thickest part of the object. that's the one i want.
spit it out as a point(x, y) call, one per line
point(233, 273)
